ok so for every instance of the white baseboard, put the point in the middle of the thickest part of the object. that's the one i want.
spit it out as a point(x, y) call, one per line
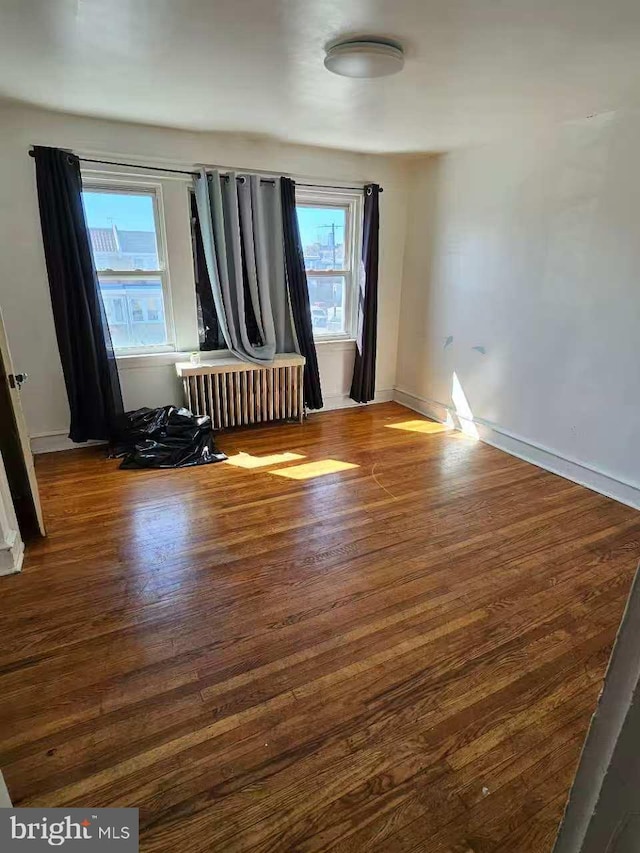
point(578, 472)
point(344, 401)
point(51, 442)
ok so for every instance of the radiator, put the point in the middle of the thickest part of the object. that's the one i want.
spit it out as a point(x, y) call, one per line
point(238, 393)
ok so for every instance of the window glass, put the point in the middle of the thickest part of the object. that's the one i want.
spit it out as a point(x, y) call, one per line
point(154, 310)
point(122, 230)
point(125, 245)
point(135, 311)
point(323, 233)
point(114, 307)
point(327, 298)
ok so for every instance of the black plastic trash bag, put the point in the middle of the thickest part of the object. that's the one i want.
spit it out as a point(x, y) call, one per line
point(167, 437)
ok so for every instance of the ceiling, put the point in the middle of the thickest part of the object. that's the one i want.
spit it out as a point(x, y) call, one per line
point(476, 69)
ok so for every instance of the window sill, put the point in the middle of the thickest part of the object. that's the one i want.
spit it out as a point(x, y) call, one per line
point(132, 361)
point(346, 344)
point(148, 359)
point(167, 359)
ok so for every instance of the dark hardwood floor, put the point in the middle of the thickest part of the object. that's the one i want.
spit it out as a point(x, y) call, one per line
point(400, 656)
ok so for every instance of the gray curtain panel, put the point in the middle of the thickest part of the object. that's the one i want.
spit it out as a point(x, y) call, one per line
point(241, 224)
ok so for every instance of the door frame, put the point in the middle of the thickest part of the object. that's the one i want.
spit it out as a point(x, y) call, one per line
point(11, 542)
point(8, 374)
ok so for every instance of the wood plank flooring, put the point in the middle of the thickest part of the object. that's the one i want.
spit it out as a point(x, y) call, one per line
point(398, 656)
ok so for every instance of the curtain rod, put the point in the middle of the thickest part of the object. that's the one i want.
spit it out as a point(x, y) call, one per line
point(197, 174)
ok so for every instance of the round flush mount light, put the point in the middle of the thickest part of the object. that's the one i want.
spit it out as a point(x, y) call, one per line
point(364, 57)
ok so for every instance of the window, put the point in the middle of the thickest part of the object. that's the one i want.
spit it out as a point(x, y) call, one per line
point(330, 231)
point(330, 224)
point(126, 241)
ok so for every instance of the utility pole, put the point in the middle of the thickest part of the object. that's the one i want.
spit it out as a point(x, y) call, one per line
point(333, 262)
point(333, 240)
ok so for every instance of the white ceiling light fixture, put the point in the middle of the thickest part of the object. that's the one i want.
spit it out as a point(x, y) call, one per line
point(364, 57)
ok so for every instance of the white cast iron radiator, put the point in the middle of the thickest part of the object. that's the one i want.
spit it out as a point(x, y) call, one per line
point(234, 392)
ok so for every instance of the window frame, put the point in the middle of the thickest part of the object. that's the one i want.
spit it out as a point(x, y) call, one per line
point(352, 202)
point(105, 183)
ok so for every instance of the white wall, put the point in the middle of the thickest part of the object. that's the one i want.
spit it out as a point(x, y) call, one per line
point(531, 250)
point(24, 296)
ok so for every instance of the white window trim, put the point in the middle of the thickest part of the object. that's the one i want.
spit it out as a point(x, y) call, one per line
point(104, 182)
point(353, 201)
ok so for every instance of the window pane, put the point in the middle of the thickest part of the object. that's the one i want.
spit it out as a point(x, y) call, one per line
point(135, 311)
point(122, 229)
point(327, 297)
point(322, 232)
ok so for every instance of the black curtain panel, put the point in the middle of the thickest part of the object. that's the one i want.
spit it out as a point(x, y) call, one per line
point(211, 337)
point(86, 351)
point(363, 385)
point(299, 294)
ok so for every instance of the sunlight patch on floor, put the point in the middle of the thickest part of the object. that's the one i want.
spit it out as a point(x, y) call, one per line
point(463, 409)
point(420, 426)
point(314, 469)
point(246, 460)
